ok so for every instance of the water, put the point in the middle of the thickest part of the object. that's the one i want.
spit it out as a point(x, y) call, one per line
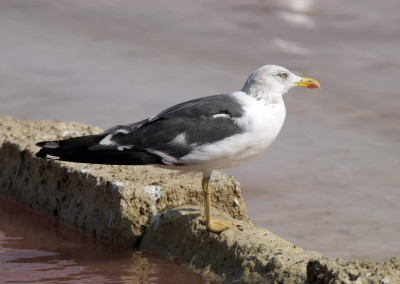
point(36, 249)
point(329, 183)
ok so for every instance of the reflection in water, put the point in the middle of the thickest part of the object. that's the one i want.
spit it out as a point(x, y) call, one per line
point(300, 6)
point(290, 47)
point(34, 248)
point(297, 20)
point(330, 183)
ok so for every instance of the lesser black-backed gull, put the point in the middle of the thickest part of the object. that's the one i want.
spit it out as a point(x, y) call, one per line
point(201, 135)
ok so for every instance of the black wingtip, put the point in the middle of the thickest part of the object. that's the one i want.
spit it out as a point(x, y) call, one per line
point(48, 144)
point(41, 144)
point(40, 154)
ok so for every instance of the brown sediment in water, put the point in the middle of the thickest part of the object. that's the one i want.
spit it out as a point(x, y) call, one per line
point(161, 211)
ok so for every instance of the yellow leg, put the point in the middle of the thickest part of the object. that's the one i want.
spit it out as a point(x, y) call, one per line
point(215, 226)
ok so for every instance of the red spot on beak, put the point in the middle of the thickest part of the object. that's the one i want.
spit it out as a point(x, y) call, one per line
point(312, 86)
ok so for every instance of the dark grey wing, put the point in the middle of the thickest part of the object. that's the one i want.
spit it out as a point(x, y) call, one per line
point(162, 139)
point(211, 105)
point(87, 149)
point(179, 129)
point(124, 128)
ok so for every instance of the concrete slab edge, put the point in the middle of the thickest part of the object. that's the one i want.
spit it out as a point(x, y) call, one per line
point(111, 203)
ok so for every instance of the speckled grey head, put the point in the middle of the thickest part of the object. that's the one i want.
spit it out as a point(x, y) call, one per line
point(271, 79)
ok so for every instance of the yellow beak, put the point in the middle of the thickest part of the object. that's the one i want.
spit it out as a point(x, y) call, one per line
point(308, 82)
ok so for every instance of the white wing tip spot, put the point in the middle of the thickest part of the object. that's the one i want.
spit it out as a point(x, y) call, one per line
point(106, 141)
point(123, 147)
point(122, 131)
point(180, 139)
point(52, 145)
point(52, 157)
point(221, 115)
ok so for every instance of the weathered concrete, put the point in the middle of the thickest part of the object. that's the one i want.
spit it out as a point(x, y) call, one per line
point(159, 210)
point(253, 255)
point(112, 203)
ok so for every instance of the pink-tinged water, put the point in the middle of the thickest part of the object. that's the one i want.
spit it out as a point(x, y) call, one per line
point(331, 180)
point(36, 249)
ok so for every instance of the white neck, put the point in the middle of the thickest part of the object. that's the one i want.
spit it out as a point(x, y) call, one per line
point(261, 93)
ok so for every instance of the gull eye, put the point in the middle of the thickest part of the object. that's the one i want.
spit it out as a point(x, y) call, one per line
point(283, 75)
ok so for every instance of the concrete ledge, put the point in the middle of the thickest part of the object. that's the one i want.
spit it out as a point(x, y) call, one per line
point(253, 255)
point(246, 254)
point(159, 210)
point(113, 203)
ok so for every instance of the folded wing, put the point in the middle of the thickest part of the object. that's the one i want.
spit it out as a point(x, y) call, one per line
point(160, 140)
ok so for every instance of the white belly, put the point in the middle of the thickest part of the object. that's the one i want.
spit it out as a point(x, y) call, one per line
point(261, 124)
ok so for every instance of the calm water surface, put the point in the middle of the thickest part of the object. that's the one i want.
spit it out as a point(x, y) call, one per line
point(36, 249)
point(331, 180)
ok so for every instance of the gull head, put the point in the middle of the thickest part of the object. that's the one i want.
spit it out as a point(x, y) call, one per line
point(273, 80)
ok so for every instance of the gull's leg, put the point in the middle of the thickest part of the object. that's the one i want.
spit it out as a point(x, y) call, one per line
point(212, 225)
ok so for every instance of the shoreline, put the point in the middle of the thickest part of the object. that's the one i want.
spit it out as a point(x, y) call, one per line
point(115, 203)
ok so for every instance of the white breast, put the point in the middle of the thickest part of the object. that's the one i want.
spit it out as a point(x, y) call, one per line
point(261, 122)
